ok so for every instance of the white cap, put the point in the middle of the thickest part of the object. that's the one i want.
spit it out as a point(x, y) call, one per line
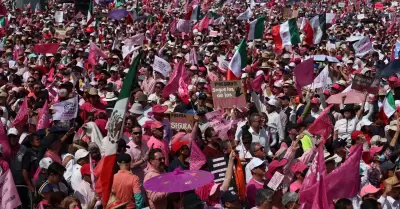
point(363, 122)
point(255, 162)
point(292, 64)
point(45, 162)
point(272, 102)
point(81, 153)
point(245, 75)
point(12, 131)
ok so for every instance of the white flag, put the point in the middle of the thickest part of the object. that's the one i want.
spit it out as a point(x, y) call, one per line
point(363, 46)
point(161, 66)
point(322, 80)
point(66, 110)
point(245, 15)
point(135, 40)
point(218, 21)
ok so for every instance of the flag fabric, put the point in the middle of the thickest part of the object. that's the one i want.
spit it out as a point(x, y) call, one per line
point(245, 15)
point(3, 22)
point(193, 57)
point(320, 200)
point(318, 24)
point(238, 62)
point(173, 83)
point(203, 23)
point(184, 26)
point(218, 21)
point(256, 29)
point(173, 26)
point(194, 13)
point(93, 52)
point(256, 83)
point(285, 34)
point(183, 91)
point(46, 48)
point(304, 73)
point(66, 110)
point(116, 121)
point(43, 117)
point(90, 20)
point(22, 115)
point(3, 10)
point(322, 125)
point(10, 198)
point(137, 39)
point(322, 80)
point(389, 107)
point(4, 141)
point(390, 69)
point(309, 33)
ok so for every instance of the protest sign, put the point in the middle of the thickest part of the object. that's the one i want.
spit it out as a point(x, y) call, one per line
point(341, 4)
point(217, 166)
point(59, 16)
point(396, 50)
point(275, 181)
point(360, 17)
point(214, 115)
point(363, 82)
point(9, 198)
point(322, 80)
point(395, 3)
point(181, 121)
point(213, 33)
point(227, 94)
point(379, 5)
point(66, 110)
point(363, 46)
point(161, 66)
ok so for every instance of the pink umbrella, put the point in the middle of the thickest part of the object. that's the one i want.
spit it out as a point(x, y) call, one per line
point(179, 181)
point(352, 97)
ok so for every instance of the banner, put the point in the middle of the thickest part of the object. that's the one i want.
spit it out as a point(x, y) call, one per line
point(46, 48)
point(181, 121)
point(66, 110)
point(226, 94)
point(214, 115)
point(363, 82)
point(363, 46)
point(161, 66)
point(9, 198)
point(218, 166)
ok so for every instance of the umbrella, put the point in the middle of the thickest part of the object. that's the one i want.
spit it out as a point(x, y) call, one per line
point(390, 69)
point(323, 58)
point(179, 181)
point(352, 97)
point(118, 14)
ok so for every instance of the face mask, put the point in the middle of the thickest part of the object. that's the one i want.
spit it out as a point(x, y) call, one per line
point(382, 158)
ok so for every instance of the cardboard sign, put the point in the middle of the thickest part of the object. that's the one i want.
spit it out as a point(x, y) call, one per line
point(363, 82)
point(214, 115)
point(181, 121)
point(60, 33)
point(59, 16)
point(9, 195)
point(161, 66)
point(275, 181)
point(213, 33)
point(217, 166)
point(226, 94)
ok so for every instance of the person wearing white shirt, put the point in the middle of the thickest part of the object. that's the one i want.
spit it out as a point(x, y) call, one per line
point(274, 123)
point(84, 192)
point(244, 147)
point(81, 158)
point(390, 197)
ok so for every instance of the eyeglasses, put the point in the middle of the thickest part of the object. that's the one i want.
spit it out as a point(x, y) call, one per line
point(136, 133)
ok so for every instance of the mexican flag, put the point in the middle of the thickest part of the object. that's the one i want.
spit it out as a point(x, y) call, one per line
point(256, 29)
point(318, 25)
point(238, 62)
point(115, 122)
point(286, 34)
point(193, 13)
point(90, 20)
point(388, 108)
point(3, 22)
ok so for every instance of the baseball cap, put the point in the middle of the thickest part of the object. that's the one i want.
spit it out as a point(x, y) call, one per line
point(254, 163)
point(368, 189)
point(355, 134)
point(156, 125)
point(45, 162)
point(85, 169)
point(81, 153)
point(272, 102)
point(12, 131)
point(228, 196)
point(387, 165)
point(124, 158)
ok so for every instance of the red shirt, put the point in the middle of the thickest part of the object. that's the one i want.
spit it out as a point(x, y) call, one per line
point(211, 152)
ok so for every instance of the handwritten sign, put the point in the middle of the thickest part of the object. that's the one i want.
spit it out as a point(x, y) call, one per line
point(180, 121)
point(217, 166)
point(363, 46)
point(161, 66)
point(226, 94)
point(9, 197)
point(276, 180)
point(363, 82)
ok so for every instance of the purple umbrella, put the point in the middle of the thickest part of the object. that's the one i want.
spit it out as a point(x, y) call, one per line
point(179, 181)
point(118, 14)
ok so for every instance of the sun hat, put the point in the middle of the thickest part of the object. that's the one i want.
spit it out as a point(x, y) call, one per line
point(356, 134)
point(93, 92)
point(274, 165)
point(368, 189)
point(110, 96)
point(376, 139)
point(298, 167)
point(159, 108)
point(136, 109)
point(375, 149)
point(156, 125)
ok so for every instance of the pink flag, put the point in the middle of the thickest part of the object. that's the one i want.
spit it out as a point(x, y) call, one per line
point(256, 83)
point(183, 91)
point(43, 118)
point(46, 48)
point(135, 40)
point(197, 158)
point(94, 52)
point(203, 24)
point(172, 27)
point(22, 115)
point(304, 73)
point(10, 198)
point(173, 83)
point(193, 57)
point(184, 25)
point(4, 142)
point(320, 199)
point(322, 125)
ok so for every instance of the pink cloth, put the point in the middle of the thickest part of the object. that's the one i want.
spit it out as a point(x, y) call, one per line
point(148, 85)
point(251, 190)
point(295, 186)
point(156, 143)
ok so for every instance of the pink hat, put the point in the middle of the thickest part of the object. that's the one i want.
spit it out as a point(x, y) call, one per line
point(156, 125)
point(273, 166)
point(336, 86)
point(299, 167)
point(392, 78)
point(202, 69)
point(375, 149)
point(159, 109)
point(369, 189)
point(326, 92)
point(314, 100)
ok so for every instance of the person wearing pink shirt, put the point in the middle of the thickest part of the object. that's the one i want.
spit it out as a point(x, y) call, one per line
point(257, 168)
point(157, 139)
point(115, 78)
point(149, 82)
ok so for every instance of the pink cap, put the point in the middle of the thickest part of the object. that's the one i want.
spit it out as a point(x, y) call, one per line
point(375, 149)
point(314, 100)
point(336, 86)
point(156, 125)
point(369, 189)
point(392, 78)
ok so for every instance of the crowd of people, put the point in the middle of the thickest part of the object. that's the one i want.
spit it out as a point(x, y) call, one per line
point(295, 136)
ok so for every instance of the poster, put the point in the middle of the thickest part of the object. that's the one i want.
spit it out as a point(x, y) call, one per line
point(9, 197)
point(275, 181)
point(66, 110)
point(217, 166)
point(58, 16)
point(363, 46)
point(227, 94)
point(181, 121)
point(365, 83)
point(161, 66)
